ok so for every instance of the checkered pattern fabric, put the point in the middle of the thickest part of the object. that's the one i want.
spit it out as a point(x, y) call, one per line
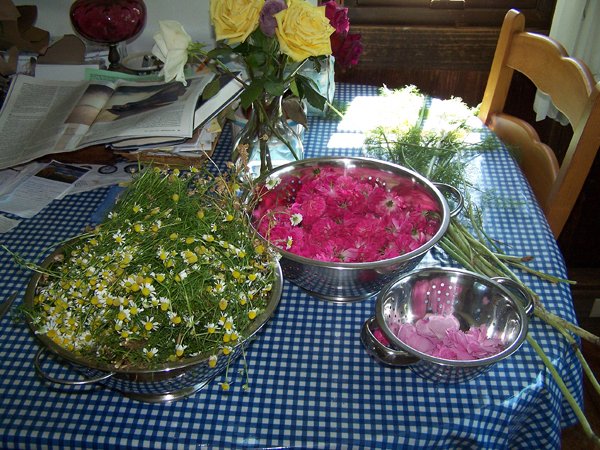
point(312, 385)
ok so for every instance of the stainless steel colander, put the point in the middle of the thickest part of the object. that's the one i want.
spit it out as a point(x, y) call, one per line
point(499, 303)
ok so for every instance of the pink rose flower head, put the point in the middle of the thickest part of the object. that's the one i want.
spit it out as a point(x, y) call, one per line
point(338, 17)
point(346, 48)
point(267, 21)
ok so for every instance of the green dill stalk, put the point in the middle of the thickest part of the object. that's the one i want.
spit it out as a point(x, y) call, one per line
point(587, 429)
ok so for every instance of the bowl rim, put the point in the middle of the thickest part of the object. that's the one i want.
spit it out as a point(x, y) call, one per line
point(398, 343)
point(344, 160)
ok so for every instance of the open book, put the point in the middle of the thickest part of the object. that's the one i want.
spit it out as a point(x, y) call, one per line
point(41, 117)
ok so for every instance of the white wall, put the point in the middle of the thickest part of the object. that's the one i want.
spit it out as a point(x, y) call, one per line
point(53, 16)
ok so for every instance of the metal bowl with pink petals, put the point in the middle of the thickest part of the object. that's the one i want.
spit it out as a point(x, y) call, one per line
point(448, 325)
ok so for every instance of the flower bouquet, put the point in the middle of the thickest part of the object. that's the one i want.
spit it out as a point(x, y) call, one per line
point(272, 40)
point(173, 277)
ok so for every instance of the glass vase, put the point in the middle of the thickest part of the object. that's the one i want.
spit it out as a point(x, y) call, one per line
point(269, 138)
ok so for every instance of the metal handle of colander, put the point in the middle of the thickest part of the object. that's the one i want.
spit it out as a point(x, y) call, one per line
point(524, 296)
point(382, 353)
point(451, 191)
point(40, 371)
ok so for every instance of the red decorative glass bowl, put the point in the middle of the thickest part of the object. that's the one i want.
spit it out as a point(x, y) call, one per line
point(108, 21)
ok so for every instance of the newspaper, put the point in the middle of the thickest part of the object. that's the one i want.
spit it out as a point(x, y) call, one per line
point(41, 117)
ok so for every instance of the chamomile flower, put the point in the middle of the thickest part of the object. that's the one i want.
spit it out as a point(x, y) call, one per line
point(156, 226)
point(164, 303)
point(189, 257)
point(160, 277)
point(150, 324)
point(272, 182)
point(174, 318)
point(124, 313)
point(119, 237)
point(295, 219)
point(179, 349)
point(181, 275)
point(219, 287)
point(162, 254)
point(134, 310)
point(147, 289)
point(150, 353)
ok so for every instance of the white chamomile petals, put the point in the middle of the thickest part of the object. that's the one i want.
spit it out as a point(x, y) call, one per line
point(295, 219)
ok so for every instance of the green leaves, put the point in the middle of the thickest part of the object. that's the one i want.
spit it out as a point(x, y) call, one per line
point(304, 87)
point(211, 89)
point(251, 93)
point(294, 110)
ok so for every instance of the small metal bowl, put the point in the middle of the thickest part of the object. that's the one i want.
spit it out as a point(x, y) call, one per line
point(474, 300)
point(348, 282)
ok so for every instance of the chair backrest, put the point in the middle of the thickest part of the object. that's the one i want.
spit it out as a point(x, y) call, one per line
point(572, 90)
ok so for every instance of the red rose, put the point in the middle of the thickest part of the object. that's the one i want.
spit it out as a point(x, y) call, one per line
point(338, 17)
point(346, 49)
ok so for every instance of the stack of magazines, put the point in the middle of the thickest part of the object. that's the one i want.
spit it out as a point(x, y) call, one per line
point(140, 119)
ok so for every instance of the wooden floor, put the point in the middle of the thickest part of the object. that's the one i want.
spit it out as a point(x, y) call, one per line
point(574, 437)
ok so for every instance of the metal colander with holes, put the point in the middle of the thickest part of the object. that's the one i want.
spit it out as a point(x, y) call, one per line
point(474, 300)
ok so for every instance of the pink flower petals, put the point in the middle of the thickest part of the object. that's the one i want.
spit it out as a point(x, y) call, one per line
point(440, 336)
point(347, 216)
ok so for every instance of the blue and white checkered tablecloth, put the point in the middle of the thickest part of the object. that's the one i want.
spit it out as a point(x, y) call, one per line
point(312, 384)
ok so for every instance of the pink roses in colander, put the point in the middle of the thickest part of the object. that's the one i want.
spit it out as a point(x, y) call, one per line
point(333, 214)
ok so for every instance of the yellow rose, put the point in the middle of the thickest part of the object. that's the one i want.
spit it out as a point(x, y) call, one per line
point(303, 30)
point(234, 20)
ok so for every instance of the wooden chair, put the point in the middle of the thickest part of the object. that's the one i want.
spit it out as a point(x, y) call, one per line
point(573, 91)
